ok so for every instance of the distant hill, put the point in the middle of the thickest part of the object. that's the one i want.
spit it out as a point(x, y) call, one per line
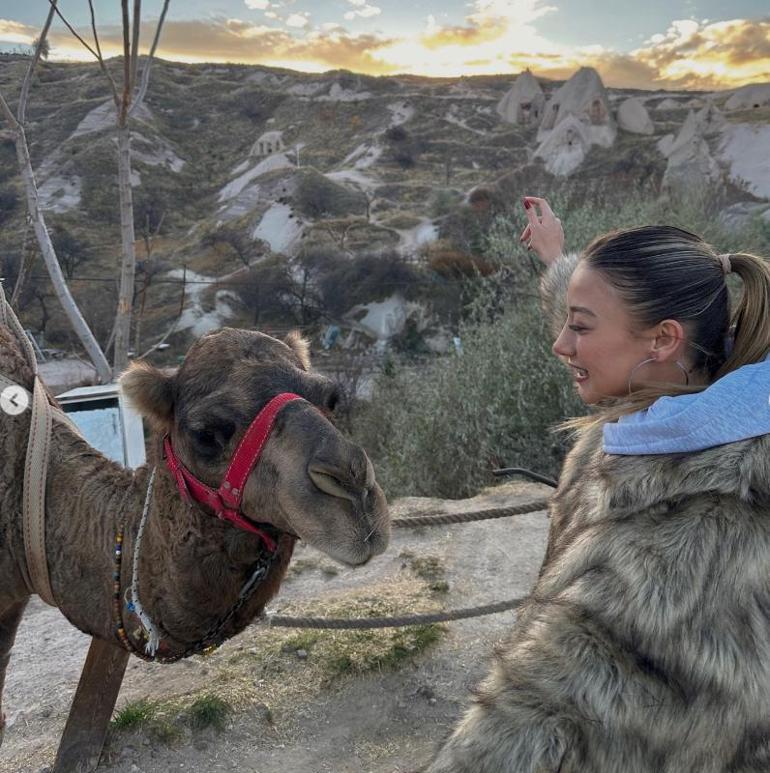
point(239, 165)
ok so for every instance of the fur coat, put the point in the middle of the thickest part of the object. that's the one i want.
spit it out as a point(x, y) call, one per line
point(645, 645)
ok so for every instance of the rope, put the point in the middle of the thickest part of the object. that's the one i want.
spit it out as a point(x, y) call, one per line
point(439, 519)
point(338, 623)
point(136, 605)
point(341, 623)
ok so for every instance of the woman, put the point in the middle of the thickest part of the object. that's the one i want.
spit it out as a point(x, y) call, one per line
point(645, 644)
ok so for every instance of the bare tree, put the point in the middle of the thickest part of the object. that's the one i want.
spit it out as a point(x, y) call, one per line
point(17, 122)
point(127, 100)
point(149, 268)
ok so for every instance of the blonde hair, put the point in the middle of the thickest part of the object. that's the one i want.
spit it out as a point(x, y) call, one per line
point(662, 272)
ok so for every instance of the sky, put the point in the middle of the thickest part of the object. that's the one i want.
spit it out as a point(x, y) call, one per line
point(650, 44)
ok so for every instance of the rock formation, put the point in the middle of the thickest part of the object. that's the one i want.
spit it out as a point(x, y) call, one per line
point(753, 96)
point(669, 104)
point(565, 147)
point(633, 117)
point(523, 103)
point(584, 97)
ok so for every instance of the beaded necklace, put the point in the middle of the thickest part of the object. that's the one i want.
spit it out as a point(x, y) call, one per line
point(212, 639)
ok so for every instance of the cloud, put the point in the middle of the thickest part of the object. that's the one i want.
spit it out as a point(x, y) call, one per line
point(257, 5)
point(235, 40)
point(490, 20)
point(363, 9)
point(16, 32)
point(298, 20)
point(706, 55)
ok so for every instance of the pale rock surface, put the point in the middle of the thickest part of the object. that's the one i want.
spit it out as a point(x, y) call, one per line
point(633, 117)
point(669, 104)
point(691, 167)
point(751, 96)
point(523, 103)
point(584, 97)
point(565, 147)
point(745, 149)
point(279, 228)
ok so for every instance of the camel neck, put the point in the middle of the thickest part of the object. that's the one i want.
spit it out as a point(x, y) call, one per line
point(88, 498)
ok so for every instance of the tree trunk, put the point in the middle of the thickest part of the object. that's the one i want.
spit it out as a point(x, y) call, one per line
point(71, 310)
point(128, 264)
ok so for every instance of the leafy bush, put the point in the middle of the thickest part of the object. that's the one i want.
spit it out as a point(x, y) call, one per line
point(451, 422)
point(367, 278)
point(317, 195)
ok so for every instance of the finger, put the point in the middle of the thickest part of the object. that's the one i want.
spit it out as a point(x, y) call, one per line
point(532, 216)
point(525, 234)
point(545, 207)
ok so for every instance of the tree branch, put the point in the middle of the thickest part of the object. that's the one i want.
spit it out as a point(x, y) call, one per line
point(123, 110)
point(100, 58)
point(135, 45)
point(139, 98)
point(71, 29)
point(21, 112)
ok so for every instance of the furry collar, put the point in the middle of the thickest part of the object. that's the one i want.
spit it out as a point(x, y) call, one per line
point(740, 469)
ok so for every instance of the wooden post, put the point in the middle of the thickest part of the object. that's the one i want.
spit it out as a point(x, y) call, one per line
point(83, 738)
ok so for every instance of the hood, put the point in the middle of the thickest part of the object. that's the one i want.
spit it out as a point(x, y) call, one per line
point(735, 407)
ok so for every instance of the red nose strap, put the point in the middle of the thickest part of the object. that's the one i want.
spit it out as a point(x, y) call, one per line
point(226, 500)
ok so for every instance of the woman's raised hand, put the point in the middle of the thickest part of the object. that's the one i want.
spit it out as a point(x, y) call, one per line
point(543, 233)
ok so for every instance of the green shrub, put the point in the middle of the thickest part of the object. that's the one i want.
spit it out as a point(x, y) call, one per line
point(317, 195)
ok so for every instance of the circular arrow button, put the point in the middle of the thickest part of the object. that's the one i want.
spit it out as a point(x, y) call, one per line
point(14, 400)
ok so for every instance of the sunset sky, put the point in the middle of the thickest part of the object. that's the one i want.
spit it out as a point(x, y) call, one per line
point(699, 44)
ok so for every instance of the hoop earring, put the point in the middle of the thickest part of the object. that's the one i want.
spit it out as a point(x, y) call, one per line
point(653, 359)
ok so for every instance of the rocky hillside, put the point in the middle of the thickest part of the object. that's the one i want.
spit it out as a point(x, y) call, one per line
point(238, 168)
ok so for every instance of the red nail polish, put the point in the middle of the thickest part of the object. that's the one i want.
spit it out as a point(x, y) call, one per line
point(527, 205)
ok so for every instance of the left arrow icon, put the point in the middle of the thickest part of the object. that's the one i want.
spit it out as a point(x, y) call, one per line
point(14, 400)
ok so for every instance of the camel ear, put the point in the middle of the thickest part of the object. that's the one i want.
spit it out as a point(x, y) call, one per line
point(300, 346)
point(150, 391)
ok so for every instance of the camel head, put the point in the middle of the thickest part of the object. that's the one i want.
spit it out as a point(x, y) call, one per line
point(310, 481)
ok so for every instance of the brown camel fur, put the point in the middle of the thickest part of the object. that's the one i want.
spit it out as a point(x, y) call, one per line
point(310, 482)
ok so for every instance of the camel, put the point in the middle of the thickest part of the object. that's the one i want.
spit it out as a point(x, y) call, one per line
point(310, 483)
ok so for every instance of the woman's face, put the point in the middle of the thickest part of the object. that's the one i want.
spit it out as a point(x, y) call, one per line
point(597, 338)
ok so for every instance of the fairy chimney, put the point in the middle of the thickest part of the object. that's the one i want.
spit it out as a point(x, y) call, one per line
point(584, 97)
point(565, 147)
point(523, 103)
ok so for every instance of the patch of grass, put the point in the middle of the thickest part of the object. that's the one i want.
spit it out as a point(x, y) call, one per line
point(135, 714)
point(430, 569)
point(366, 651)
point(151, 717)
point(208, 711)
point(300, 641)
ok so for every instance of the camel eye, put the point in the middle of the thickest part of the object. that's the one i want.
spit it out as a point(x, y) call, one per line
point(205, 438)
point(210, 440)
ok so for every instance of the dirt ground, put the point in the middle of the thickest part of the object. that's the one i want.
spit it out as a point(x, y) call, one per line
point(297, 701)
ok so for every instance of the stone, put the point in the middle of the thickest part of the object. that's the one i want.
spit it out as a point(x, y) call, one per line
point(633, 117)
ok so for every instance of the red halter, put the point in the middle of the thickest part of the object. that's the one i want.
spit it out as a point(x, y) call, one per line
point(226, 500)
